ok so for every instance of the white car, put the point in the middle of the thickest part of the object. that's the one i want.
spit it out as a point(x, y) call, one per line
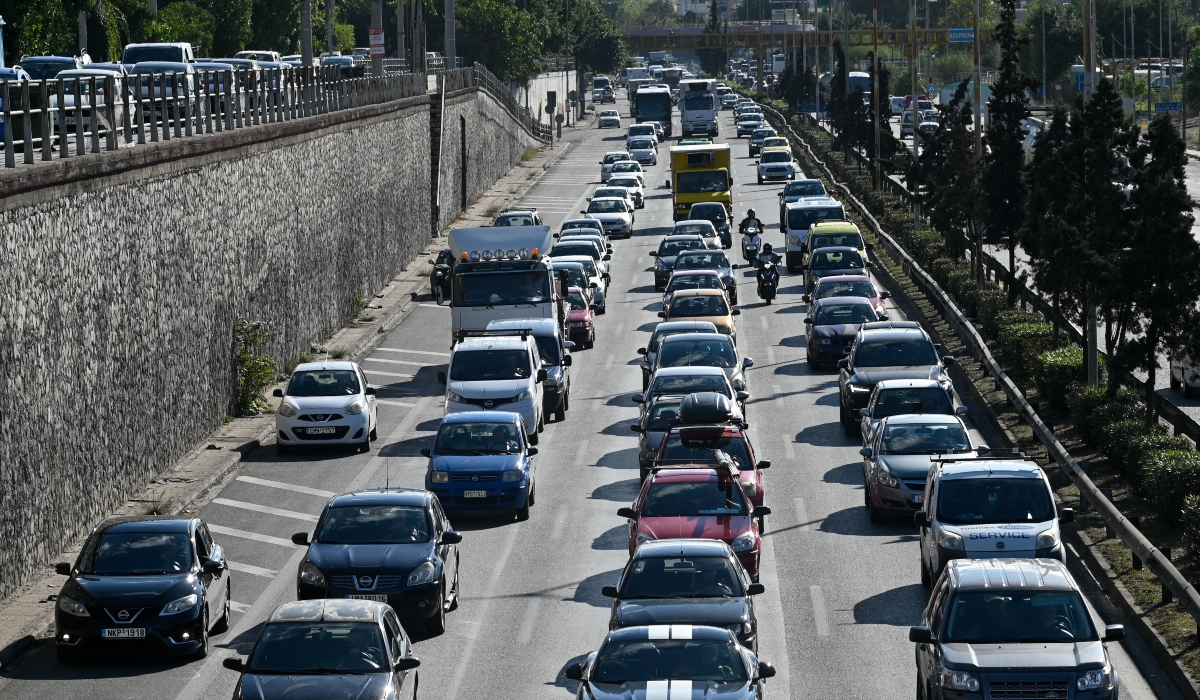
point(595, 276)
point(326, 403)
point(776, 165)
point(610, 118)
point(698, 227)
point(611, 158)
point(629, 167)
point(496, 371)
point(644, 150)
point(614, 191)
point(614, 214)
point(633, 185)
point(645, 129)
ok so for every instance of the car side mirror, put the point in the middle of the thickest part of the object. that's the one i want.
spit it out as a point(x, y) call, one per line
point(542, 375)
point(212, 566)
point(885, 295)
point(641, 351)
point(920, 635)
point(566, 361)
point(635, 428)
point(606, 257)
point(408, 663)
point(844, 363)
point(765, 670)
point(948, 359)
point(638, 398)
point(594, 285)
point(278, 393)
point(736, 312)
point(756, 589)
point(960, 411)
point(568, 344)
point(662, 314)
point(450, 537)
point(1066, 515)
point(867, 452)
point(627, 513)
point(808, 321)
point(441, 378)
point(742, 396)
point(426, 452)
point(864, 412)
point(1114, 633)
point(921, 519)
point(62, 568)
point(531, 451)
point(300, 538)
point(806, 298)
point(609, 592)
point(370, 391)
point(763, 464)
point(756, 162)
point(589, 199)
point(761, 511)
point(573, 672)
point(747, 362)
point(234, 663)
point(870, 247)
point(582, 211)
point(653, 253)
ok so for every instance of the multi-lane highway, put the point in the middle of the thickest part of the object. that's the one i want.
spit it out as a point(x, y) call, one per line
point(841, 592)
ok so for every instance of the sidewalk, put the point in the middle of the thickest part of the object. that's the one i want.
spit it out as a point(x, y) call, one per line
point(184, 487)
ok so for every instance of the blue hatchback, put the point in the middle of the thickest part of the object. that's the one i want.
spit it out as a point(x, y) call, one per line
point(482, 461)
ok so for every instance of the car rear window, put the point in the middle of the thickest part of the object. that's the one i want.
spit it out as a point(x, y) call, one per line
point(673, 499)
point(687, 446)
point(895, 353)
point(681, 577)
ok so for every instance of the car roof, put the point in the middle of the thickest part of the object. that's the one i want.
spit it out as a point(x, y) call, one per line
point(691, 222)
point(502, 342)
point(517, 212)
point(582, 220)
point(565, 262)
point(908, 384)
point(685, 236)
point(818, 201)
point(682, 293)
point(999, 574)
point(577, 259)
point(834, 227)
point(538, 326)
point(681, 273)
point(988, 468)
point(836, 249)
point(616, 153)
point(683, 473)
point(483, 416)
point(845, 278)
point(701, 251)
point(327, 610)
point(146, 523)
point(891, 334)
point(610, 199)
point(665, 632)
point(331, 365)
point(692, 546)
point(695, 337)
point(393, 495)
point(685, 325)
point(922, 418)
point(689, 371)
point(842, 301)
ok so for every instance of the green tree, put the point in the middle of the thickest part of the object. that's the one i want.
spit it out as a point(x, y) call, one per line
point(656, 13)
point(233, 30)
point(797, 85)
point(947, 176)
point(596, 42)
point(275, 25)
point(183, 21)
point(712, 61)
point(505, 39)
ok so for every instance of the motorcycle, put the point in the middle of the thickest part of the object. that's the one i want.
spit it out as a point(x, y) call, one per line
point(439, 277)
point(750, 250)
point(768, 280)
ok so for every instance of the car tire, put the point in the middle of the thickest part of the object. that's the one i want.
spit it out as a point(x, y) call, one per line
point(439, 296)
point(926, 579)
point(454, 588)
point(365, 445)
point(523, 512)
point(202, 652)
point(1188, 392)
point(436, 625)
point(532, 500)
point(874, 514)
point(374, 432)
point(920, 688)
point(533, 437)
point(762, 525)
point(560, 413)
point(223, 623)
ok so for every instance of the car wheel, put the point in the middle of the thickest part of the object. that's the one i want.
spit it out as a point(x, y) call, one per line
point(523, 512)
point(533, 437)
point(762, 525)
point(223, 624)
point(920, 688)
point(374, 432)
point(874, 514)
point(532, 500)
point(760, 180)
point(436, 625)
point(365, 445)
point(560, 413)
point(202, 652)
point(439, 295)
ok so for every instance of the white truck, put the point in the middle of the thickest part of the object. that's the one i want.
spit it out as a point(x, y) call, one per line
point(698, 107)
point(501, 272)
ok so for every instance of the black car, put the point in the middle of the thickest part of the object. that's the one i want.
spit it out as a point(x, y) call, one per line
point(652, 426)
point(143, 585)
point(665, 330)
point(328, 649)
point(669, 661)
point(831, 261)
point(391, 546)
point(885, 350)
point(688, 582)
point(831, 326)
point(718, 215)
point(668, 248)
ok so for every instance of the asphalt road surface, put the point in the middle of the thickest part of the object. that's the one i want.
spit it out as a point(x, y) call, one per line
point(841, 592)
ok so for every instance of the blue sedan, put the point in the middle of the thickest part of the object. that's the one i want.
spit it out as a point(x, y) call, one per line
point(482, 461)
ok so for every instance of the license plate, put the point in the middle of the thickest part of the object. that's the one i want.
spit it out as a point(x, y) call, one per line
point(124, 633)
point(321, 431)
point(919, 498)
point(474, 494)
point(376, 597)
point(70, 121)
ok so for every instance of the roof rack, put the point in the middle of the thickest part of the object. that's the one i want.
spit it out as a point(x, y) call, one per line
point(876, 325)
point(990, 455)
point(495, 332)
point(518, 209)
point(724, 464)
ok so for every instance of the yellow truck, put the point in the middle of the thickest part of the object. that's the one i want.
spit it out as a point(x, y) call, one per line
point(700, 173)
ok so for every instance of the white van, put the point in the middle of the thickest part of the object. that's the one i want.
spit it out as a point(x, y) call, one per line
point(499, 370)
point(799, 218)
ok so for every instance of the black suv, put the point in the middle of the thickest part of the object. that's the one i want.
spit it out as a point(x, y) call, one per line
point(885, 350)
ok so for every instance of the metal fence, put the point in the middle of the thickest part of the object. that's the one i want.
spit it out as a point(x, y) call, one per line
point(498, 89)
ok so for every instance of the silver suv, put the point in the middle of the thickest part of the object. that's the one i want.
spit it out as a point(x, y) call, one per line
point(1011, 628)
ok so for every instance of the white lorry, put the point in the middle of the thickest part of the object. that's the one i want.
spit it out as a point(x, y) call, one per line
point(698, 107)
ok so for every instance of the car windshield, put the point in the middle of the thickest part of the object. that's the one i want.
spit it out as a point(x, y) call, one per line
point(702, 181)
point(477, 439)
point(705, 305)
point(674, 247)
point(762, 134)
point(662, 414)
point(776, 157)
point(642, 144)
point(918, 439)
point(709, 212)
point(501, 288)
point(994, 500)
point(374, 524)
point(830, 240)
point(673, 499)
point(138, 554)
point(840, 314)
point(694, 282)
point(639, 661)
point(575, 276)
point(627, 167)
point(614, 157)
point(800, 218)
point(641, 130)
point(324, 382)
point(774, 142)
point(489, 365)
point(515, 220)
point(695, 228)
point(609, 113)
point(856, 288)
point(681, 577)
point(298, 648)
point(992, 617)
point(140, 54)
point(836, 260)
point(895, 353)
point(611, 192)
point(690, 384)
point(711, 260)
point(548, 349)
point(576, 301)
point(895, 402)
point(607, 206)
point(715, 352)
point(804, 188)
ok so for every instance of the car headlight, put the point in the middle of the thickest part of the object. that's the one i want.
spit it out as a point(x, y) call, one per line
point(822, 341)
point(439, 477)
point(451, 396)
point(743, 542)
point(72, 607)
point(180, 605)
point(311, 575)
point(795, 240)
point(356, 408)
point(730, 281)
point(512, 475)
point(527, 394)
point(949, 540)
point(885, 477)
point(1046, 539)
point(859, 389)
point(958, 680)
point(741, 628)
point(1097, 678)
point(643, 538)
point(423, 574)
point(286, 409)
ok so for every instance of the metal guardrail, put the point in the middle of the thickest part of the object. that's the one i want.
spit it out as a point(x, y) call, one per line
point(1158, 563)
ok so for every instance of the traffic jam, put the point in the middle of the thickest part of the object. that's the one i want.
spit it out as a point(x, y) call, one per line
point(1004, 617)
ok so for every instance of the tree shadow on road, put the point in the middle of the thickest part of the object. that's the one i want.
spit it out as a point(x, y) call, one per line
point(588, 590)
point(619, 491)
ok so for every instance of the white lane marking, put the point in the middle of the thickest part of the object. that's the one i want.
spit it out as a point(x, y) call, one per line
point(414, 352)
point(581, 454)
point(770, 354)
point(608, 361)
point(287, 487)
point(763, 320)
point(465, 661)
point(265, 509)
point(801, 514)
point(820, 615)
point(560, 521)
point(396, 362)
point(433, 306)
point(251, 569)
point(245, 535)
point(390, 402)
point(387, 374)
point(526, 632)
point(772, 623)
point(788, 447)
point(237, 607)
point(548, 435)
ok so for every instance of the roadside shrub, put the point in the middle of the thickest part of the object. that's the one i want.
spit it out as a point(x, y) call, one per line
point(1122, 441)
point(1169, 477)
point(255, 371)
point(990, 302)
point(926, 245)
point(954, 276)
point(1023, 337)
point(1056, 372)
point(1191, 524)
point(1133, 456)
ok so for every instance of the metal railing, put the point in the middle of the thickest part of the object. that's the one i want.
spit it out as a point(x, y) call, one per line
point(59, 119)
point(1173, 582)
point(498, 89)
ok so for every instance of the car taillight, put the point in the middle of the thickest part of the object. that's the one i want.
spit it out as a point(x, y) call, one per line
point(1194, 356)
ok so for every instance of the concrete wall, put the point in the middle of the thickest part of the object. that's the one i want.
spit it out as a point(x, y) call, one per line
point(121, 278)
point(535, 94)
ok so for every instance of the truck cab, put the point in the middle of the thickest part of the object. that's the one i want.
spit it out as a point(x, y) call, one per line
point(700, 173)
point(698, 106)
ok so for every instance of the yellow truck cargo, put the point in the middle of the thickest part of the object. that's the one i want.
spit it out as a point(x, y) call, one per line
point(700, 173)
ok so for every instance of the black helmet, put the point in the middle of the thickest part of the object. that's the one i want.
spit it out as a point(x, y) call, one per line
point(750, 213)
point(766, 247)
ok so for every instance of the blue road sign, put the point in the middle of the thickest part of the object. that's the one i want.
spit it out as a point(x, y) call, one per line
point(961, 36)
point(1079, 82)
point(1168, 106)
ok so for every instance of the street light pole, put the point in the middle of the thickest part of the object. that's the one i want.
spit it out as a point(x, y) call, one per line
point(306, 44)
point(875, 84)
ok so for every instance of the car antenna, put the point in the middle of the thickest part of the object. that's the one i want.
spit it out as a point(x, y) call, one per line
point(387, 479)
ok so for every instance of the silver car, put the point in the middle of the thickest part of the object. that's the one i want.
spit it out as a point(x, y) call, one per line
point(606, 164)
point(614, 213)
point(704, 350)
point(633, 185)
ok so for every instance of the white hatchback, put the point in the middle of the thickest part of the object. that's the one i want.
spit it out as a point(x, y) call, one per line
point(326, 403)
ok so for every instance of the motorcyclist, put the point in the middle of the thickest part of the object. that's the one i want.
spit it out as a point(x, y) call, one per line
point(750, 219)
point(751, 239)
point(766, 255)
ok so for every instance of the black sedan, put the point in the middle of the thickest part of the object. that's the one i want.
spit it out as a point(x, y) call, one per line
point(652, 426)
point(328, 649)
point(668, 248)
point(834, 260)
point(391, 546)
point(831, 326)
point(143, 585)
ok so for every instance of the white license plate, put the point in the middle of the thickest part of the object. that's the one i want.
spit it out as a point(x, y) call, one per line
point(919, 498)
point(377, 597)
point(124, 633)
point(321, 431)
point(474, 494)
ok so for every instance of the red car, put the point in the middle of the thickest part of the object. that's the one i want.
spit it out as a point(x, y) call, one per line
point(690, 444)
point(580, 322)
point(608, 96)
point(849, 286)
point(697, 501)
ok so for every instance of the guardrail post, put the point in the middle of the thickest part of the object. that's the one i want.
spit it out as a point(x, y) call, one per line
point(176, 82)
point(231, 100)
point(10, 160)
point(95, 114)
point(1167, 597)
point(27, 142)
point(110, 110)
point(189, 96)
point(47, 125)
point(64, 148)
point(1136, 522)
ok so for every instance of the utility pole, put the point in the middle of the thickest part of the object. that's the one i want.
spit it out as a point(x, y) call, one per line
point(875, 85)
point(451, 49)
point(306, 41)
point(83, 37)
point(1046, 88)
point(399, 29)
point(376, 35)
point(978, 92)
point(329, 6)
point(152, 5)
point(913, 58)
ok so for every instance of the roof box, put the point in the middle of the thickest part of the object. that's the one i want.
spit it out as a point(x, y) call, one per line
point(706, 407)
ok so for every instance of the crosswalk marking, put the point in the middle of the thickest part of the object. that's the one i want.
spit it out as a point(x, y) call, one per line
point(386, 374)
point(265, 509)
point(397, 362)
point(389, 402)
point(287, 487)
point(415, 352)
point(243, 534)
point(251, 569)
